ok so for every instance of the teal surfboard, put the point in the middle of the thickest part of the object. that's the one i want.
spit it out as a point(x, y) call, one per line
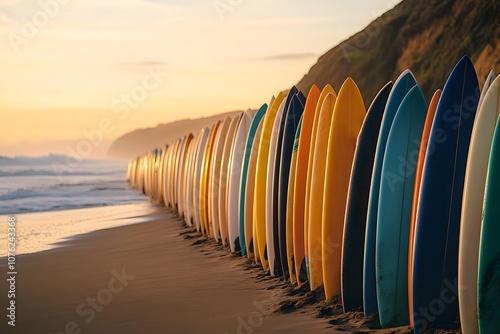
point(489, 249)
point(259, 116)
point(395, 208)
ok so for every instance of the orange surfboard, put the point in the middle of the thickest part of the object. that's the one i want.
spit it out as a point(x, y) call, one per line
point(416, 191)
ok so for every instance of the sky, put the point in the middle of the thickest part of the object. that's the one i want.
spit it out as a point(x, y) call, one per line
point(73, 70)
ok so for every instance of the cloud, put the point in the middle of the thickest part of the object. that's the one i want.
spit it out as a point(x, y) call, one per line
point(285, 56)
point(139, 64)
point(283, 21)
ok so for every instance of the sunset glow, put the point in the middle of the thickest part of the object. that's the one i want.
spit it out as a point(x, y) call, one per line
point(67, 66)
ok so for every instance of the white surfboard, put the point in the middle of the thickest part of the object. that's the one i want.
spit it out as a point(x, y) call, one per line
point(235, 178)
point(216, 169)
point(223, 186)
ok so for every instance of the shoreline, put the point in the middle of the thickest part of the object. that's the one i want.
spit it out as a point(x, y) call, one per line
point(45, 230)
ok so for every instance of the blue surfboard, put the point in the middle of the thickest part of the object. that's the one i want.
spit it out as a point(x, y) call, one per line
point(395, 208)
point(435, 261)
point(402, 86)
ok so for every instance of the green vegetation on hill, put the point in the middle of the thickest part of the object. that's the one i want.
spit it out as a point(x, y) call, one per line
point(428, 37)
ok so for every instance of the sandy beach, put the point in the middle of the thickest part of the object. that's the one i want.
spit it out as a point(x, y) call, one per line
point(160, 276)
point(149, 278)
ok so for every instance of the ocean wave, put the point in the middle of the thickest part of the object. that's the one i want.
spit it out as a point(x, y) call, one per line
point(44, 160)
point(19, 194)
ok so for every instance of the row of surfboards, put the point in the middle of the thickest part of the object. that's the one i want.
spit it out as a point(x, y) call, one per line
point(396, 208)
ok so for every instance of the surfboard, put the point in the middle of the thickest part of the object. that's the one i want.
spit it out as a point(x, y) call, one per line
point(223, 189)
point(431, 112)
point(317, 186)
point(211, 180)
point(159, 178)
point(259, 212)
point(489, 249)
point(435, 260)
point(166, 189)
point(244, 173)
point(161, 185)
point(357, 203)
point(272, 228)
point(282, 173)
point(183, 176)
point(192, 176)
point(401, 87)
point(197, 177)
point(394, 209)
point(216, 176)
point(299, 204)
point(189, 180)
point(207, 160)
point(235, 179)
point(192, 188)
point(172, 173)
point(181, 173)
point(472, 203)
point(249, 229)
point(326, 90)
point(348, 116)
point(289, 205)
point(176, 181)
point(167, 174)
point(187, 172)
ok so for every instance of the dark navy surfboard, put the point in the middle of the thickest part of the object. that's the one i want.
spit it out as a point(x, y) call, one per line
point(401, 87)
point(278, 270)
point(357, 203)
point(435, 262)
point(294, 113)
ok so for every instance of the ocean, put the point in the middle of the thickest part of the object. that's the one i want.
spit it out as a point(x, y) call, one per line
point(55, 197)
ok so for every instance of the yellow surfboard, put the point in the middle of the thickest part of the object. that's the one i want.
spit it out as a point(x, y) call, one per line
point(189, 181)
point(289, 208)
point(259, 209)
point(301, 182)
point(314, 259)
point(183, 173)
point(211, 181)
point(255, 151)
point(172, 174)
point(310, 159)
point(348, 117)
point(250, 193)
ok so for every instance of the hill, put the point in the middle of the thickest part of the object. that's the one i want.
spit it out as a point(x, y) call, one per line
point(143, 140)
point(428, 37)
